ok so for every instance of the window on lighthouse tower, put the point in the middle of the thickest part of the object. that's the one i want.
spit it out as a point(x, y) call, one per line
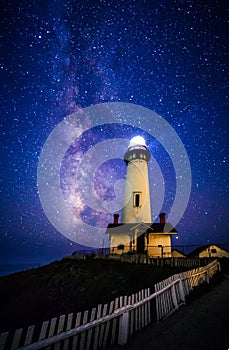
point(137, 199)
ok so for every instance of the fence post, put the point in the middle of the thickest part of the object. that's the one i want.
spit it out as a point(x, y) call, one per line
point(123, 328)
point(181, 290)
point(207, 277)
point(174, 297)
point(3, 338)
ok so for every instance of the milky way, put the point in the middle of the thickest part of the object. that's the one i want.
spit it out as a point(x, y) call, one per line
point(62, 56)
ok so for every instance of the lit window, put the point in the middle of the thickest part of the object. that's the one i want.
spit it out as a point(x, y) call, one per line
point(134, 155)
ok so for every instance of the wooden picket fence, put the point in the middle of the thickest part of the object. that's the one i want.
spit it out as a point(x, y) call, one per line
point(159, 262)
point(177, 287)
point(112, 323)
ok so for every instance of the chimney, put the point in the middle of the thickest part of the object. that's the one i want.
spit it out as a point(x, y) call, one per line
point(116, 216)
point(162, 218)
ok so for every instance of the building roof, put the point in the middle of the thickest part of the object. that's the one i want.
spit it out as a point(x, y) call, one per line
point(179, 251)
point(200, 249)
point(128, 228)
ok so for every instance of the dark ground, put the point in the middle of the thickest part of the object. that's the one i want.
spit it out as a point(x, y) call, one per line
point(202, 324)
point(67, 286)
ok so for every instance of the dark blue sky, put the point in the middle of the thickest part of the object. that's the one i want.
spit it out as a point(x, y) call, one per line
point(60, 56)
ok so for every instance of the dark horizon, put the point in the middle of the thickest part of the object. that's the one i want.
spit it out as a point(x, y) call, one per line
point(8, 268)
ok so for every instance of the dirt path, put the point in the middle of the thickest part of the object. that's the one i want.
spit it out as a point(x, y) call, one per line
point(199, 325)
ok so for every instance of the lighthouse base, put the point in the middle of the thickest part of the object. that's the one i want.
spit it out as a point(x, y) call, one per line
point(149, 239)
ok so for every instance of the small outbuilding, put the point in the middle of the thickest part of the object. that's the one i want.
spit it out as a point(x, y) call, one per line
point(209, 251)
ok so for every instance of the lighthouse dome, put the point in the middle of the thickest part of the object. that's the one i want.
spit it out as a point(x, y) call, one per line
point(137, 141)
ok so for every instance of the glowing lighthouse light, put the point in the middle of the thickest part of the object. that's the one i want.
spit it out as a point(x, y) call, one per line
point(137, 141)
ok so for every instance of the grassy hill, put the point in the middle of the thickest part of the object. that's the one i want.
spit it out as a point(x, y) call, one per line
point(66, 286)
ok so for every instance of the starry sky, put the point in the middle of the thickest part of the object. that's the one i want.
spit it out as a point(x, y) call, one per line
point(59, 57)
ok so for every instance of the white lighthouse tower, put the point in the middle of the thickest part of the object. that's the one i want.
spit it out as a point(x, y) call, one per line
point(136, 204)
point(136, 234)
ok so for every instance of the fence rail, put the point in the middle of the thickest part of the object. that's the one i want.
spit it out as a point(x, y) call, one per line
point(159, 262)
point(112, 323)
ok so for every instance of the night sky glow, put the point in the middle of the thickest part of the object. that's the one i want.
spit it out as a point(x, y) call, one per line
point(59, 57)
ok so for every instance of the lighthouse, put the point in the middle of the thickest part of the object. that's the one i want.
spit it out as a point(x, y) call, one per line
point(136, 204)
point(136, 234)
